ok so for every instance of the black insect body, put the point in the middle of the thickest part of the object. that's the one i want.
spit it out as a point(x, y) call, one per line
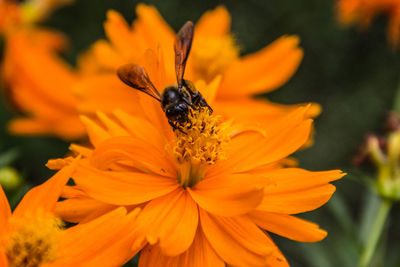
point(176, 100)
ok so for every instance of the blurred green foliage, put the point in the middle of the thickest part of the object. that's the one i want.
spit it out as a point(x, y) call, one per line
point(352, 74)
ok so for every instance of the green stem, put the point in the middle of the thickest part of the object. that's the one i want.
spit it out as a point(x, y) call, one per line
point(375, 233)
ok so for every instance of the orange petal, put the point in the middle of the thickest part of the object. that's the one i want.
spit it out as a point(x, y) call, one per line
point(157, 33)
point(42, 69)
point(288, 226)
point(252, 149)
point(80, 150)
point(226, 196)
point(96, 133)
point(114, 128)
point(45, 196)
point(107, 241)
point(138, 153)
point(265, 70)
point(72, 192)
point(199, 254)
point(237, 240)
point(172, 220)
point(297, 201)
point(258, 111)
point(216, 22)
point(5, 211)
point(140, 128)
point(276, 258)
point(121, 251)
point(393, 30)
point(120, 35)
point(3, 258)
point(209, 91)
point(158, 29)
point(293, 179)
point(100, 56)
point(78, 209)
point(122, 188)
point(27, 127)
point(95, 94)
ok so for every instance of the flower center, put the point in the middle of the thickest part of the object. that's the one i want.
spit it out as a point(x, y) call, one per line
point(212, 56)
point(33, 240)
point(201, 143)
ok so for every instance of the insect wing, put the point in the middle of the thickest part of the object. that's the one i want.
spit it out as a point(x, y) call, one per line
point(183, 44)
point(136, 77)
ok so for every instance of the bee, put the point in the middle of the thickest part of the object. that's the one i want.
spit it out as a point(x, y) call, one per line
point(176, 100)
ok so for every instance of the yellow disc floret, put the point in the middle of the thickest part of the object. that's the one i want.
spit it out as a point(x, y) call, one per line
point(33, 240)
point(200, 143)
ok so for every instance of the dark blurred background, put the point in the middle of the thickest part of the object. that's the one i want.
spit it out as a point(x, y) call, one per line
point(354, 75)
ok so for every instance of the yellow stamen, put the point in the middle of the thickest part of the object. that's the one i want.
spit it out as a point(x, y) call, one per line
point(200, 144)
point(211, 56)
point(33, 240)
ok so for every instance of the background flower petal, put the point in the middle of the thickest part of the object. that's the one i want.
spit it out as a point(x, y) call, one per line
point(216, 22)
point(264, 70)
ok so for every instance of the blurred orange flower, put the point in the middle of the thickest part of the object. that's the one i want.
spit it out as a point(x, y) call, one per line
point(33, 236)
point(52, 95)
point(362, 12)
point(36, 81)
point(214, 58)
point(206, 194)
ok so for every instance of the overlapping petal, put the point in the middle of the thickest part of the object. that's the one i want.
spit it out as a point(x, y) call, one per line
point(81, 209)
point(238, 234)
point(122, 188)
point(133, 152)
point(229, 195)
point(199, 254)
point(174, 220)
point(252, 149)
point(108, 243)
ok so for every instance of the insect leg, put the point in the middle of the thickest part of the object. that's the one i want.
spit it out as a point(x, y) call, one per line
point(203, 103)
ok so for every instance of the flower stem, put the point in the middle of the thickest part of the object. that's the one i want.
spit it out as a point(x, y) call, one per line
point(375, 233)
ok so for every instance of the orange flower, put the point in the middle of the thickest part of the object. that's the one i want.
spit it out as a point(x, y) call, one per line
point(37, 82)
point(362, 12)
point(14, 14)
point(33, 236)
point(214, 58)
point(206, 194)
